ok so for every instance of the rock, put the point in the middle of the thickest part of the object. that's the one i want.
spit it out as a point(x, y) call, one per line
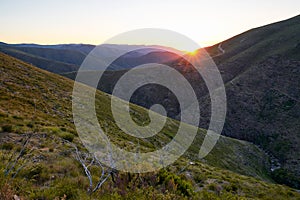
point(16, 197)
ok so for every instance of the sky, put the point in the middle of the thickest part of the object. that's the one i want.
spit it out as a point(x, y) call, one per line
point(94, 21)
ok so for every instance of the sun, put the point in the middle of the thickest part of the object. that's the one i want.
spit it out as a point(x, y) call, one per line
point(192, 53)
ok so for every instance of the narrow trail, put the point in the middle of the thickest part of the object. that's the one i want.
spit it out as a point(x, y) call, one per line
point(221, 49)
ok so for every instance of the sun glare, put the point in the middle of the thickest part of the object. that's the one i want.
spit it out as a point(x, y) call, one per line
point(192, 53)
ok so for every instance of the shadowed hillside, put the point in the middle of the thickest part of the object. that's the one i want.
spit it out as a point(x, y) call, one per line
point(261, 72)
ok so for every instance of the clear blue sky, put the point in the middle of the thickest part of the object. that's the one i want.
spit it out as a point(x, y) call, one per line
point(93, 21)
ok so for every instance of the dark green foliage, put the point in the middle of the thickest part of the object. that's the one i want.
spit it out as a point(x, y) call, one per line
point(66, 188)
point(62, 189)
point(38, 173)
point(7, 146)
point(7, 128)
point(171, 180)
point(283, 176)
point(233, 188)
point(67, 136)
point(30, 125)
point(64, 129)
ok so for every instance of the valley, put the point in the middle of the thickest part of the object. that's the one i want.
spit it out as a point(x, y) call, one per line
point(256, 157)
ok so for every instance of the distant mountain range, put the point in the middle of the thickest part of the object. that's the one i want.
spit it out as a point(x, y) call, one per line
point(260, 69)
point(66, 58)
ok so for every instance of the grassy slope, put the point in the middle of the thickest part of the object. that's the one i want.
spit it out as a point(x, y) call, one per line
point(279, 38)
point(261, 70)
point(38, 102)
point(256, 45)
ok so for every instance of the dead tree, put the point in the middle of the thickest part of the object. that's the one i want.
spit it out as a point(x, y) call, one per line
point(87, 160)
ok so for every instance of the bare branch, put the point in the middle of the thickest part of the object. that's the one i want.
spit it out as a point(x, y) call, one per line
point(83, 158)
point(11, 165)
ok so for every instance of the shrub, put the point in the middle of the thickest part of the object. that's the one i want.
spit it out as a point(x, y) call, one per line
point(68, 190)
point(30, 125)
point(61, 188)
point(7, 146)
point(199, 178)
point(204, 194)
point(282, 176)
point(7, 128)
point(63, 129)
point(6, 192)
point(17, 117)
point(67, 136)
point(53, 130)
point(231, 188)
point(3, 114)
point(36, 173)
point(183, 187)
point(212, 187)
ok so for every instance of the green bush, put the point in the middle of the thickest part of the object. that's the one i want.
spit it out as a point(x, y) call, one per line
point(282, 176)
point(199, 178)
point(212, 187)
point(183, 187)
point(17, 117)
point(54, 130)
point(30, 125)
point(233, 188)
point(36, 173)
point(59, 189)
point(7, 146)
point(63, 129)
point(7, 128)
point(67, 136)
